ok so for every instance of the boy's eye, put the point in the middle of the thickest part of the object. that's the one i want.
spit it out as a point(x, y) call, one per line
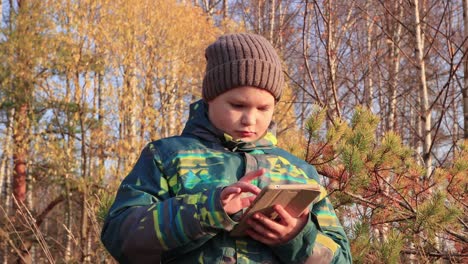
point(237, 105)
point(264, 108)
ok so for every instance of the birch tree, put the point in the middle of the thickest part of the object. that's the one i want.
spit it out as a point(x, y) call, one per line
point(368, 84)
point(394, 60)
point(425, 111)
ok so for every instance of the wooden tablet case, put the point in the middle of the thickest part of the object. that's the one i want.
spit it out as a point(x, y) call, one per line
point(295, 198)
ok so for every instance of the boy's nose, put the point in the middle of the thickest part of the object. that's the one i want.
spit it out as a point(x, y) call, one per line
point(248, 118)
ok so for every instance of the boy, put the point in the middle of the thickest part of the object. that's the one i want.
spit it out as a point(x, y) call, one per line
point(185, 193)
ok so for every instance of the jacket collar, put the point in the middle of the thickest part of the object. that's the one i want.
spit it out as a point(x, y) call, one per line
point(199, 125)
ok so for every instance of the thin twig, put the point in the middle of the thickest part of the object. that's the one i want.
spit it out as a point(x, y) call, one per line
point(31, 222)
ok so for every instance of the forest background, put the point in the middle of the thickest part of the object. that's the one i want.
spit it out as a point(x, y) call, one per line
point(376, 99)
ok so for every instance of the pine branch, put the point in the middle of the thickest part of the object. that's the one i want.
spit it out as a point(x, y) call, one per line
point(459, 236)
point(444, 255)
point(404, 203)
point(362, 199)
point(394, 220)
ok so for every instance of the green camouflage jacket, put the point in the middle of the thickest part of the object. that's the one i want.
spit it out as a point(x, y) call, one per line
point(168, 210)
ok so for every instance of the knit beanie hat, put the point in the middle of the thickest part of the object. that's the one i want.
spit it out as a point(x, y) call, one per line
point(241, 59)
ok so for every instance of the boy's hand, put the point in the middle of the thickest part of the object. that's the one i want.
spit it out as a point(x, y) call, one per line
point(232, 197)
point(275, 232)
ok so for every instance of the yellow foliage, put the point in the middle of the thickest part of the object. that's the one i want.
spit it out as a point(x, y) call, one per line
point(156, 49)
point(293, 140)
point(231, 26)
point(284, 115)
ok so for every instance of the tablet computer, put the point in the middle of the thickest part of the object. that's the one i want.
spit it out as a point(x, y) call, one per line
point(295, 198)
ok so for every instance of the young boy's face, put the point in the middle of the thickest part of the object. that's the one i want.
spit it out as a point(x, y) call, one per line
point(244, 112)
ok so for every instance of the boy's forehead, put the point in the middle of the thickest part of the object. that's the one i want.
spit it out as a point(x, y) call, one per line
point(246, 93)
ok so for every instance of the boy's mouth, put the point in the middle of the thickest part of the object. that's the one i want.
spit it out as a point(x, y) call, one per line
point(246, 133)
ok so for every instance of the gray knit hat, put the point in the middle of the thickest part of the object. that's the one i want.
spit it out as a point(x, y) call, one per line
point(243, 59)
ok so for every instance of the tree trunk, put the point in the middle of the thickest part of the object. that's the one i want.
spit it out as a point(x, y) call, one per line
point(225, 9)
point(68, 203)
point(85, 257)
point(68, 222)
point(331, 61)
point(129, 111)
point(68, 235)
point(5, 180)
point(22, 98)
point(85, 251)
point(281, 19)
point(368, 89)
point(20, 154)
point(380, 99)
point(394, 65)
point(465, 64)
point(272, 21)
point(5, 172)
point(425, 111)
point(172, 108)
point(259, 16)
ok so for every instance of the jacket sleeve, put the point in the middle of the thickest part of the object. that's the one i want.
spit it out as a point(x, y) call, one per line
point(322, 240)
point(146, 220)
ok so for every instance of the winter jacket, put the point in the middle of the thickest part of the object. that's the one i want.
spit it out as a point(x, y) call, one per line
point(168, 209)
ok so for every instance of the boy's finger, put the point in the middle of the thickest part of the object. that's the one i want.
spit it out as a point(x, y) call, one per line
point(283, 214)
point(306, 212)
point(252, 175)
point(247, 187)
point(230, 190)
point(247, 201)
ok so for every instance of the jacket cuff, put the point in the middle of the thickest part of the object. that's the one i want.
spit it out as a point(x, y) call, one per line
point(211, 211)
point(299, 248)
